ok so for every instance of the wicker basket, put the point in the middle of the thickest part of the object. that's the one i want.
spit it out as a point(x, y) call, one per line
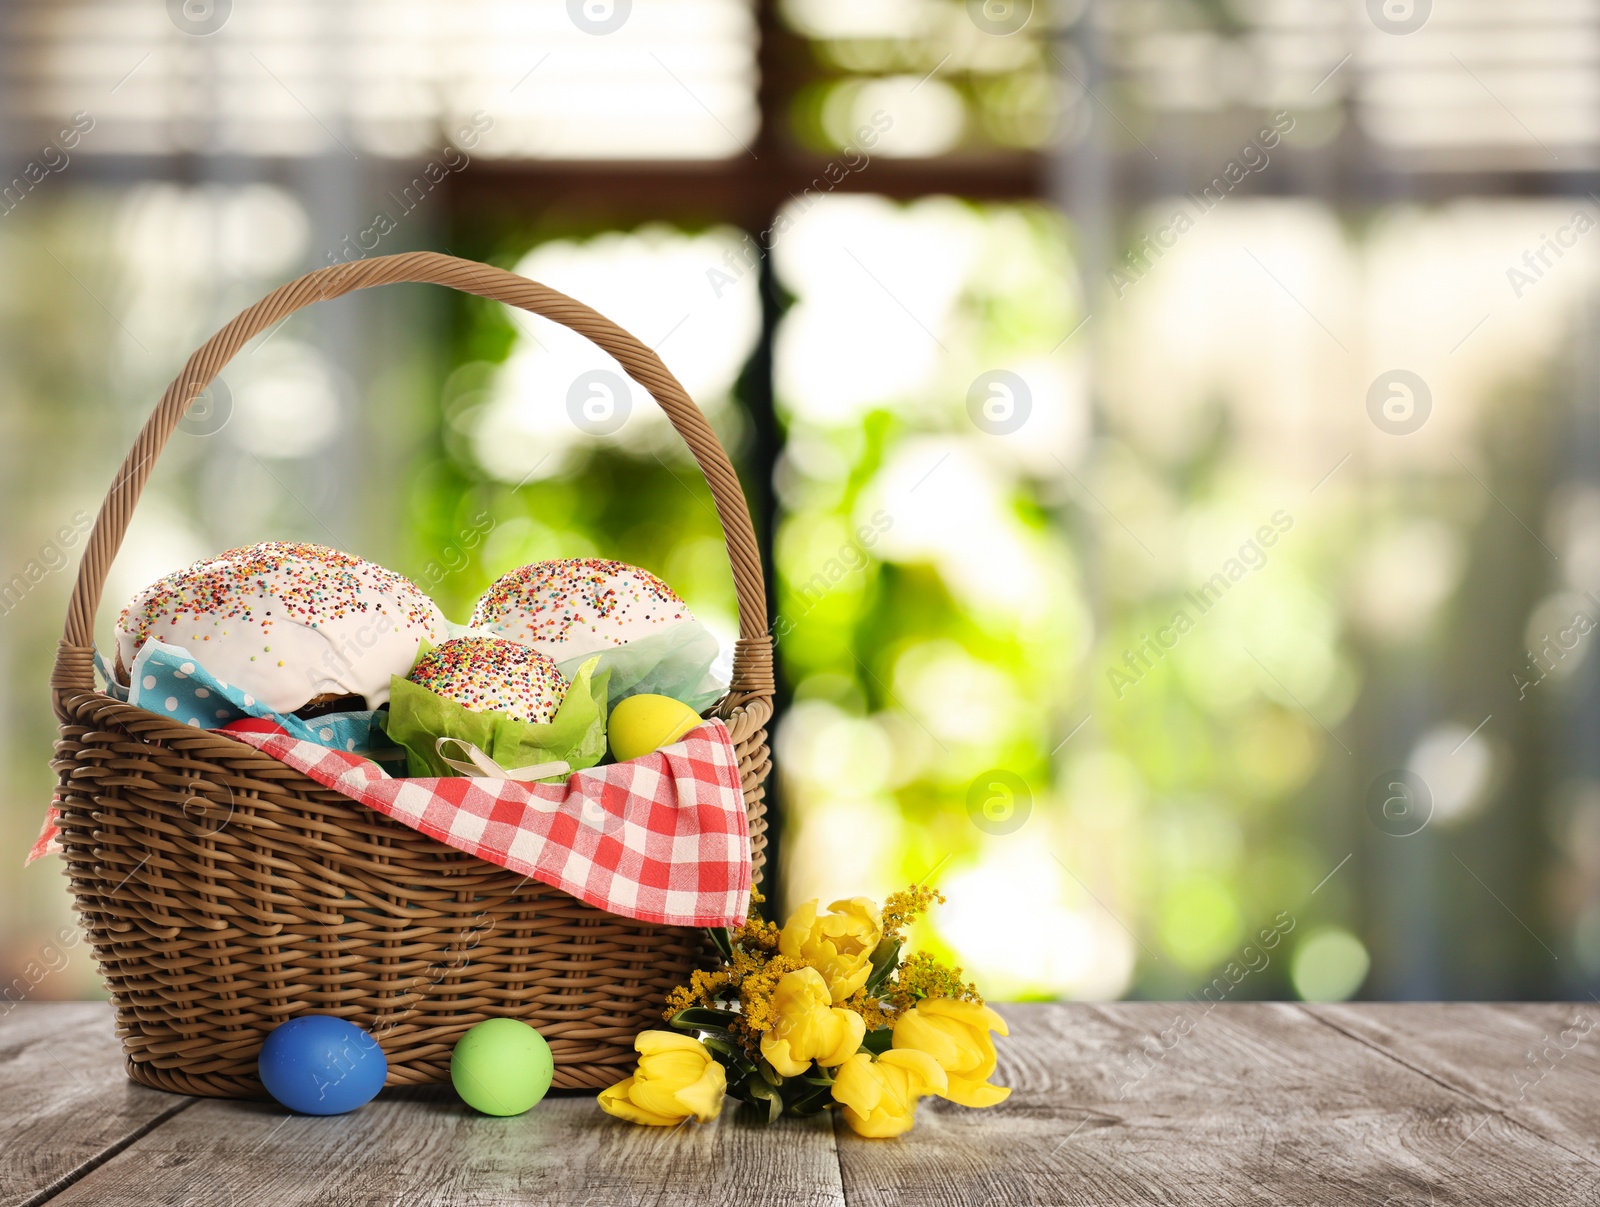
point(224, 892)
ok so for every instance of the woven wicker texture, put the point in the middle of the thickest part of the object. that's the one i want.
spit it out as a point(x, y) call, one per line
point(224, 892)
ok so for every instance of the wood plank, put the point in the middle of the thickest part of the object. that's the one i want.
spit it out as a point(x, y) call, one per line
point(1537, 1063)
point(1250, 1103)
point(1255, 1103)
point(65, 1103)
point(425, 1146)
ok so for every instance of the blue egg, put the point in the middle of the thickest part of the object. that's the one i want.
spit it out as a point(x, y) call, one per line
point(321, 1065)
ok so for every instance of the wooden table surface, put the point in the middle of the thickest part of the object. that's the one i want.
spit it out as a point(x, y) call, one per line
point(1113, 1104)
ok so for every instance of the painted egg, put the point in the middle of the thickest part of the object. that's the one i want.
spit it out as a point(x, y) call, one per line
point(501, 1067)
point(320, 1065)
point(644, 723)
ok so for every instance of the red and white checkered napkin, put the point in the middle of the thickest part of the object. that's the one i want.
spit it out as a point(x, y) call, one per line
point(48, 842)
point(662, 838)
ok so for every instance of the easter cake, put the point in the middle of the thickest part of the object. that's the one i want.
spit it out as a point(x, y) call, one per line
point(489, 674)
point(296, 625)
point(574, 607)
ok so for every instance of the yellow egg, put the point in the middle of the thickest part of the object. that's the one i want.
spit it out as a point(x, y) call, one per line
point(641, 724)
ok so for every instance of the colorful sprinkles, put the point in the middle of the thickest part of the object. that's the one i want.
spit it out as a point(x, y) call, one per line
point(305, 583)
point(553, 599)
point(487, 674)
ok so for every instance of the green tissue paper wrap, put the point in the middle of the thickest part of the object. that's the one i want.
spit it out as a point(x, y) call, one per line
point(675, 661)
point(576, 734)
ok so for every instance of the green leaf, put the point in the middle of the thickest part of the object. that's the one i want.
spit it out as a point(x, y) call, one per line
point(706, 1034)
point(814, 1102)
point(731, 1057)
point(878, 1041)
point(756, 1114)
point(885, 959)
point(727, 1052)
point(708, 1017)
point(722, 941)
point(762, 1093)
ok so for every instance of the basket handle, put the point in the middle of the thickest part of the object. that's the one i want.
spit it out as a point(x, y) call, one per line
point(752, 662)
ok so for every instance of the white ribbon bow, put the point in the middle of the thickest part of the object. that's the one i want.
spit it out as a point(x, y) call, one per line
point(476, 762)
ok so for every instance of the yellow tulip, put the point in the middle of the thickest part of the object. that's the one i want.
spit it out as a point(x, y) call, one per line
point(808, 1027)
point(879, 1097)
point(956, 1034)
point(838, 945)
point(676, 1078)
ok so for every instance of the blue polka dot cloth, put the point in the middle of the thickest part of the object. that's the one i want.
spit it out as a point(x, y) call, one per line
point(168, 679)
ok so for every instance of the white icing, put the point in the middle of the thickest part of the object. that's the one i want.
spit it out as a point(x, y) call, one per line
point(636, 615)
point(350, 644)
point(583, 643)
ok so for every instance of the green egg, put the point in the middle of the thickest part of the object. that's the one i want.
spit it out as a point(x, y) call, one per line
point(501, 1067)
